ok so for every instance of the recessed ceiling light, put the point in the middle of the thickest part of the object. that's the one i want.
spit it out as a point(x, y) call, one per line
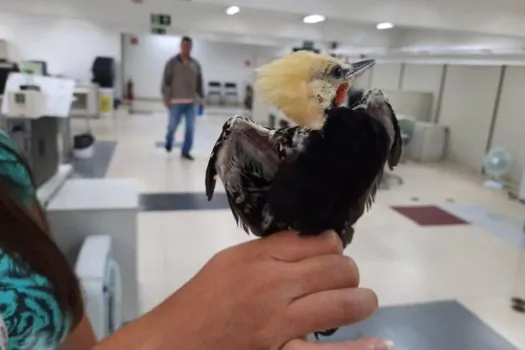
point(311, 19)
point(232, 10)
point(384, 25)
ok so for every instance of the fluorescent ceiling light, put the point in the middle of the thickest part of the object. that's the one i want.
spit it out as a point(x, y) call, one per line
point(384, 25)
point(232, 10)
point(313, 19)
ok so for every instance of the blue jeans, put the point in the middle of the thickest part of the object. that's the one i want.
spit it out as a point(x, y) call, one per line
point(176, 111)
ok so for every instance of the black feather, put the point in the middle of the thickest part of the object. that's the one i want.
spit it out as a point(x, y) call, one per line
point(337, 169)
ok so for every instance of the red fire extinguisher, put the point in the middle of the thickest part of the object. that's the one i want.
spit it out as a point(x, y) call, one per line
point(129, 91)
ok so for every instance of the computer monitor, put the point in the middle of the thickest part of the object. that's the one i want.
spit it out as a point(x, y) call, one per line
point(33, 67)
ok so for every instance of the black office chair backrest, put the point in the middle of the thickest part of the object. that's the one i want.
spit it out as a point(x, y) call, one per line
point(355, 96)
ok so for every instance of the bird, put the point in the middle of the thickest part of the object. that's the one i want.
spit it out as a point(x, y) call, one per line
point(321, 174)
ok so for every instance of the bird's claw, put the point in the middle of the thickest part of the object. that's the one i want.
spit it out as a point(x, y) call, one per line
point(325, 333)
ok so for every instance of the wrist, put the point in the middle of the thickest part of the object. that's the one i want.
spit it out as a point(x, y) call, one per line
point(167, 326)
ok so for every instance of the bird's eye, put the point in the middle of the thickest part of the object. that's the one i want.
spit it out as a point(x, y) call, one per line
point(337, 72)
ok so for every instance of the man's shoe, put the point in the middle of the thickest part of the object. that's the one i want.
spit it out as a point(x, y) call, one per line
point(168, 147)
point(187, 157)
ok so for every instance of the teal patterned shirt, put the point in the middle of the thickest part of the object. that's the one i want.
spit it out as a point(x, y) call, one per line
point(30, 316)
point(12, 169)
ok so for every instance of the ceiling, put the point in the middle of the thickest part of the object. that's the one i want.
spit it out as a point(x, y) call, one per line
point(423, 28)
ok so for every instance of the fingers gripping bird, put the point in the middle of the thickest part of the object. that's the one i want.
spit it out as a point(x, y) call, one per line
point(319, 175)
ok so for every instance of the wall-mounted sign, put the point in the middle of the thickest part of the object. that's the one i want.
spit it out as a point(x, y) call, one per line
point(160, 23)
point(160, 31)
point(160, 20)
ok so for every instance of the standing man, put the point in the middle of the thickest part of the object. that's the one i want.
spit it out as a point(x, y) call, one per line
point(181, 88)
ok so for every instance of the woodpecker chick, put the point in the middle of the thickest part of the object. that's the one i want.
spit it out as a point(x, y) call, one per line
point(319, 175)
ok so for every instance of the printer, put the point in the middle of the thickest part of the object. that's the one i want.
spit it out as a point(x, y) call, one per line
point(34, 106)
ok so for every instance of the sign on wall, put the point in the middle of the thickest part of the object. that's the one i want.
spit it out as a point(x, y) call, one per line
point(160, 23)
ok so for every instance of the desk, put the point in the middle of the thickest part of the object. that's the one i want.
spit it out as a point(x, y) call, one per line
point(85, 207)
point(53, 185)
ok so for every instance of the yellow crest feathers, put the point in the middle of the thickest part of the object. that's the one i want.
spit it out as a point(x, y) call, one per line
point(285, 83)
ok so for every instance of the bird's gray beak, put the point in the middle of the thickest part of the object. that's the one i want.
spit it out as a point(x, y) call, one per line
point(358, 68)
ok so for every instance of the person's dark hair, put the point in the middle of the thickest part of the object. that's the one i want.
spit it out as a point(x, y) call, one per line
point(27, 240)
point(187, 39)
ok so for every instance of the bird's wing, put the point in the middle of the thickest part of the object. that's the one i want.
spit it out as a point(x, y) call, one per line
point(246, 157)
point(374, 102)
point(335, 175)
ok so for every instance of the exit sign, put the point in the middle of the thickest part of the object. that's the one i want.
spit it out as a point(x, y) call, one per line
point(160, 23)
point(160, 20)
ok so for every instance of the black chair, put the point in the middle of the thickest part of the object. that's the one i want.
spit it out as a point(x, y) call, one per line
point(103, 70)
point(231, 95)
point(214, 92)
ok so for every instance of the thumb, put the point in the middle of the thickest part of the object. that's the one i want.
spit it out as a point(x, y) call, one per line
point(363, 344)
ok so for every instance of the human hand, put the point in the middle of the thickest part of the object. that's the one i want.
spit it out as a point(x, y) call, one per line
point(268, 294)
point(363, 344)
point(167, 104)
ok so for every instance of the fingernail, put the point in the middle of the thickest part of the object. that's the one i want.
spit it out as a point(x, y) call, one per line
point(383, 345)
point(390, 345)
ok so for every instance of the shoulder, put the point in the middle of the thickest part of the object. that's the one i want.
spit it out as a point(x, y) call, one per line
point(13, 169)
point(196, 63)
point(172, 61)
point(4, 337)
point(8, 146)
point(29, 310)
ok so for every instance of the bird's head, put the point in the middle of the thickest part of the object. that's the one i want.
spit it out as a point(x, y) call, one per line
point(303, 85)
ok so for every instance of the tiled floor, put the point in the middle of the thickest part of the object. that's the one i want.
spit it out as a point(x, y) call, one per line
point(97, 166)
point(421, 326)
point(405, 263)
point(182, 201)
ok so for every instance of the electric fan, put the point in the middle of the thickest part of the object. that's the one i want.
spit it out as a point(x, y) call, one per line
point(496, 164)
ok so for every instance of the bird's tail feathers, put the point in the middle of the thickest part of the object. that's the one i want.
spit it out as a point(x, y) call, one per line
point(211, 176)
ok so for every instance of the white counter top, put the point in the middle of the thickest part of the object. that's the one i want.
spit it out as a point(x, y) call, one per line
point(46, 192)
point(96, 194)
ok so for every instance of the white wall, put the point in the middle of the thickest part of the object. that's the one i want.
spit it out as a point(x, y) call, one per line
point(220, 61)
point(68, 46)
point(423, 78)
point(410, 103)
point(364, 82)
point(469, 95)
point(467, 108)
point(386, 76)
point(509, 128)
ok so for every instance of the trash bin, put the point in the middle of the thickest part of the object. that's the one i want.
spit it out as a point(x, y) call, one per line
point(83, 146)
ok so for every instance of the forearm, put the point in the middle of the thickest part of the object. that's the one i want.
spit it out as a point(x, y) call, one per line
point(82, 337)
point(156, 330)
